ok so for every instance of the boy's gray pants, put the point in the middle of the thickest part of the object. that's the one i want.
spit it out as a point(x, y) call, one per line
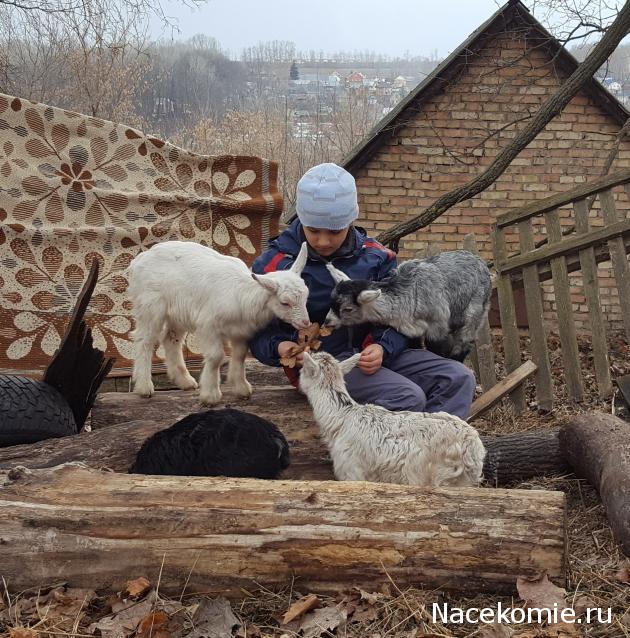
point(415, 380)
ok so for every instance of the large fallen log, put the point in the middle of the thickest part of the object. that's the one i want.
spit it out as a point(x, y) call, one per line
point(520, 456)
point(597, 446)
point(116, 439)
point(122, 421)
point(96, 529)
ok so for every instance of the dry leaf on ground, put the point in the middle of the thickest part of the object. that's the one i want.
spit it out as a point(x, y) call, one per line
point(137, 588)
point(622, 575)
point(124, 621)
point(154, 625)
point(496, 630)
point(214, 619)
point(541, 593)
point(322, 621)
point(371, 597)
point(22, 632)
point(582, 603)
point(300, 607)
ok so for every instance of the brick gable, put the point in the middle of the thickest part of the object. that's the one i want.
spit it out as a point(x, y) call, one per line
point(454, 132)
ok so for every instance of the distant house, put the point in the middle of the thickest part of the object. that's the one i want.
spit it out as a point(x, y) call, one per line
point(453, 123)
point(399, 82)
point(333, 80)
point(355, 80)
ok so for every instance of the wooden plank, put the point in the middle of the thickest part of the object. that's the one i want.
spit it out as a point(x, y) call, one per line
point(92, 529)
point(619, 259)
point(602, 254)
point(567, 246)
point(591, 293)
point(535, 319)
point(492, 397)
point(564, 311)
point(562, 199)
point(507, 311)
point(483, 352)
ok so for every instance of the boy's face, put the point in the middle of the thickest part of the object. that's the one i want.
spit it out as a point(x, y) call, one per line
point(325, 242)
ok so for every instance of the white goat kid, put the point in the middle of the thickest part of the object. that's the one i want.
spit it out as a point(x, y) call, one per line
point(370, 443)
point(179, 287)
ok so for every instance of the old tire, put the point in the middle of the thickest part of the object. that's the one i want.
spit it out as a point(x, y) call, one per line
point(32, 411)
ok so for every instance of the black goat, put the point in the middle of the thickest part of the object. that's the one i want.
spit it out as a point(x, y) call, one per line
point(223, 442)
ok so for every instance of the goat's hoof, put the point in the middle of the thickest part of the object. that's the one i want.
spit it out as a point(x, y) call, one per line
point(187, 384)
point(243, 390)
point(144, 390)
point(210, 398)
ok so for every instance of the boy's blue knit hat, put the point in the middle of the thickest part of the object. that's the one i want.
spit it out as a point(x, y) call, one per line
point(327, 197)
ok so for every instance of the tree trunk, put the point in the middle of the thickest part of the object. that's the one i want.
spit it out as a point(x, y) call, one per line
point(517, 457)
point(597, 446)
point(552, 107)
point(97, 530)
point(122, 422)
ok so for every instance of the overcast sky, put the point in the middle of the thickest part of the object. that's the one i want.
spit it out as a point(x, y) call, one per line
point(384, 26)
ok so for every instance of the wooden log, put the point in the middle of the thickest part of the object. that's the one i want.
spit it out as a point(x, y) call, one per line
point(493, 396)
point(122, 421)
point(597, 446)
point(116, 441)
point(524, 455)
point(94, 529)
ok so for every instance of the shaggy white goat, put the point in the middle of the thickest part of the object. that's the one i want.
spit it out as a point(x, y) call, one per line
point(179, 287)
point(370, 443)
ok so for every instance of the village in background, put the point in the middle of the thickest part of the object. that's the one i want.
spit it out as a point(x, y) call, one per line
point(269, 100)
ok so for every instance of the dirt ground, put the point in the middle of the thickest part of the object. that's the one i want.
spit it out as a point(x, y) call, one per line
point(598, 573)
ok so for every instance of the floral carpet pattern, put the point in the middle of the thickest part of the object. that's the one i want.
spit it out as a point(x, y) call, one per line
point(74, 188)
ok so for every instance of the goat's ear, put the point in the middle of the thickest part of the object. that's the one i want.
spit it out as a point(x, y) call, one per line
point(300, 260)
point(366, 296)
point(349, 363)
point(308, 363)
point(266, 282)
point(337, 275)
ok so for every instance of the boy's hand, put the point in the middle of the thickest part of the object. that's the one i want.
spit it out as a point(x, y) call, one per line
point(371, 359)
point(286, 350)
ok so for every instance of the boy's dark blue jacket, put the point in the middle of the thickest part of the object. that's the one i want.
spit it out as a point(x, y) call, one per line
point(360, 257)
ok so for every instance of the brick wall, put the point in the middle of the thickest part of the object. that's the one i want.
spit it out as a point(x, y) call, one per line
point(452, 136)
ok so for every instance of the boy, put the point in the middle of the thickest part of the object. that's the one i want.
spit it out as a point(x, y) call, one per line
point(389, 373)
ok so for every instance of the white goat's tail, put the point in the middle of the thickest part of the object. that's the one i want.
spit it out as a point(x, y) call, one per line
point(461, 464)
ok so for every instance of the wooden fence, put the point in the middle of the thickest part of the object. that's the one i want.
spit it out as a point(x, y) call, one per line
point(564, 249)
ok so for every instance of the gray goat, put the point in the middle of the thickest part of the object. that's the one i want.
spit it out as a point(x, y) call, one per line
point(442, 299)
